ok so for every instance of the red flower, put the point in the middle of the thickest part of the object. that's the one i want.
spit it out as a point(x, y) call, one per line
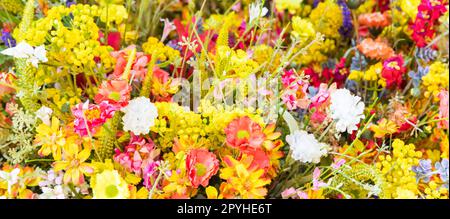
point(393, 71)
point(116, 92)
point(113, 40)
point(244, 134)
point(201, 165)
point(427, 16)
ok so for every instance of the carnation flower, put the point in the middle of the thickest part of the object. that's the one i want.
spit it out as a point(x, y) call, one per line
point(305, 147)
point(346, 110)
point(375, 49)
point(201, 165)
point(140, 115)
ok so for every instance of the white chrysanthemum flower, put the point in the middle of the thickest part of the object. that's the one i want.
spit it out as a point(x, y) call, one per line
point(305, 147)
point(346, 110)
point(140, 115)
point(25, 51)
point(44, 114)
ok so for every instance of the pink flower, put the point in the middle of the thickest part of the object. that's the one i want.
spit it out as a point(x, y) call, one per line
point(168, 27)
point(88, 117)
point(138, 68)
point(443, 108)
point(288, 193)
point(116, 92)
point(137, 155)
point(244, 134)
point(322, 96)
point(289, 79)
point(337, 163)
point(150, 173)
point(317, 184)
point(201, 165)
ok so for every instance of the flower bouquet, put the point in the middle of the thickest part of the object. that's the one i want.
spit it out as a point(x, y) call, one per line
point(301, 99)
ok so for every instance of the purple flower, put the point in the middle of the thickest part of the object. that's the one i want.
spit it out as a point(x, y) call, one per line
point(70, 2)
point(8, 39)
point(442, 169)
point(423, 170)
point(347, 27)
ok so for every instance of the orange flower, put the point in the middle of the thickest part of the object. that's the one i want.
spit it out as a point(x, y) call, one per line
point(6, 80)
point(374, 20)
point(375, 49)
point(244, 134)
point(201, 165)
point(116, 92)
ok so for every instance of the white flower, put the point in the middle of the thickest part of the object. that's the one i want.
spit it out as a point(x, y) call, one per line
point(256, 11)
point(305, 147)
point(25, 51)
point(346, 110)
point(44, 114)
point(56, 192)
point(11, 178)
point(140, 115)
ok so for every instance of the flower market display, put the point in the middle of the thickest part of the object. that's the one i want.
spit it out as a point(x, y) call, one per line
point(250, 99)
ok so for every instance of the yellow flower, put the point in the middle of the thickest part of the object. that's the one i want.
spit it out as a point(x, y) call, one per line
point(74, 164)
point(292, 5)
point(243, 181)
point(400, 180)
point(384, 127)
point(410, 7)
point(327, 18)
point(405, 194)
point(433, 155)
point(109, 185)
point(51, 138)
point(436, 80)
point(303, 30)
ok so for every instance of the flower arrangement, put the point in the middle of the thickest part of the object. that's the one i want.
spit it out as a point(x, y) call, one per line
point(323, 99)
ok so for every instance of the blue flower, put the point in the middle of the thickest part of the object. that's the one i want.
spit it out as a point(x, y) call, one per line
point(442, 169)
point(417, 76)
point(423, 170)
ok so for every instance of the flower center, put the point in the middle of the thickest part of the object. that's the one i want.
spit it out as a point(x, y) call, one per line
point(111, 191)
point(201, 169)
point(243, 134)
point(114, 96)
point(92, 114)
point(394, 65)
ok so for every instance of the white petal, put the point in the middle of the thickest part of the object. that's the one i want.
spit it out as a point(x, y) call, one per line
point(40, 53)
